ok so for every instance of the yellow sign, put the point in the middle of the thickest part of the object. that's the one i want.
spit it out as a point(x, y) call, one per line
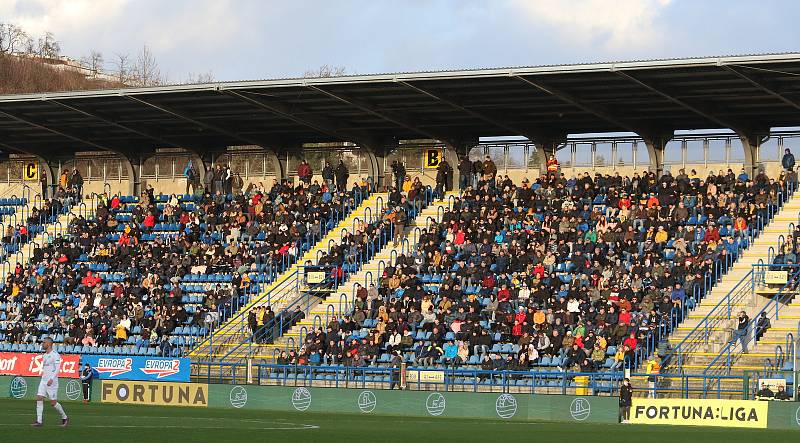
point(772, 383)
point(433, 157)
point(776, 277)
point(425, 376)
point(699, 412)
point(152, 393)
point(315, 277)
point(30, 171)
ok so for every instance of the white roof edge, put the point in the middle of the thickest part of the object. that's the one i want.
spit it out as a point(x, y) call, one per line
point(394, 77)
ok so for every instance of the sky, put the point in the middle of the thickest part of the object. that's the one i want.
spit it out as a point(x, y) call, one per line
point(259, 39)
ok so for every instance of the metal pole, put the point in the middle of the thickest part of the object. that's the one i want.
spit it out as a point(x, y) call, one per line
point(794, 367)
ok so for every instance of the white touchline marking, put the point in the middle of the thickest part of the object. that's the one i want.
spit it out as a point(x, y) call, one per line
point(299, 427)
point(273, 424)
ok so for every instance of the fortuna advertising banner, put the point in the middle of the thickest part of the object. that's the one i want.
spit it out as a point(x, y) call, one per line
point(30, 365)
point(109, 367)
point(699, 412)
point(150, 393)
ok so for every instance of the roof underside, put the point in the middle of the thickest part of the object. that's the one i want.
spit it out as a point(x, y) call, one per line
point(747, 94)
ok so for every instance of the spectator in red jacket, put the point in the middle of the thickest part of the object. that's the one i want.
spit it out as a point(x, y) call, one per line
point(91, 280)
point(150, 221)
point(624, 316)
point(521, 315)
point(503, 294)
point(304, 172)
point(631, 342)
point(712, 234)
point(488, 282)
point(625, 202)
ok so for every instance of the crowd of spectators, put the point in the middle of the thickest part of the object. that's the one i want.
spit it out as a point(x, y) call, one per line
point(583, 272)
point(115, 279)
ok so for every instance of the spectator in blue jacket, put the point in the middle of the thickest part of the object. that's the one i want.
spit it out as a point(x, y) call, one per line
point(678, 294)
point(450, 354)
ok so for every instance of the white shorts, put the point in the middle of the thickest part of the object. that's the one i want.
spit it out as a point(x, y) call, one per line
point(49, 392)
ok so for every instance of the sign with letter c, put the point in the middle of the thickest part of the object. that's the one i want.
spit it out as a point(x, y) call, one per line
point(30, 172)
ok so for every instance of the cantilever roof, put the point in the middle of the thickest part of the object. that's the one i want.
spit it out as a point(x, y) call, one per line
point(746, 93)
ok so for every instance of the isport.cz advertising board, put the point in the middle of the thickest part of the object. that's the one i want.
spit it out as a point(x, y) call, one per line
point(26, 364)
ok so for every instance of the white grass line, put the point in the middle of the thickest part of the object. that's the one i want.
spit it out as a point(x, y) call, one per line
point(298, 427)
point(260, 424)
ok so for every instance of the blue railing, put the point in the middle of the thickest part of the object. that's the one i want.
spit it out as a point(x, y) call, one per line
point(276, 270)
point(461, 379)
point(308, 301)
point(721, 364)
point(701, 334)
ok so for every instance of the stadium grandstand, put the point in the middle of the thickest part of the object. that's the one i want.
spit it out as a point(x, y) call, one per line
point(547, 229)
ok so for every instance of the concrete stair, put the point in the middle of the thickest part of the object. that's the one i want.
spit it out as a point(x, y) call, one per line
point(284, 290)
point(293, 338)
point(704, 344)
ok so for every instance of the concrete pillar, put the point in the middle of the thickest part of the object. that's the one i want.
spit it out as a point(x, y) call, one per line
point(545, 148)
point(655, 148)
point(52, 176)
point(750, 146)
point(376, 165)
point(133, 165)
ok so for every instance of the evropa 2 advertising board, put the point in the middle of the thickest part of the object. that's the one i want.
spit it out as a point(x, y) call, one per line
point(114, 367)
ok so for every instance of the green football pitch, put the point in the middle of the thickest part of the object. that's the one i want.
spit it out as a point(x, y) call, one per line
point(122, 423)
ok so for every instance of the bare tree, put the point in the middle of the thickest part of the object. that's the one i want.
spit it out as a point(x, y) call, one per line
point(29, 46)
point(48, 46)
point(93, 62)
point(122, 68)
point(146, 71)
point(207, 77)
point(12, 38)
point(326, 71)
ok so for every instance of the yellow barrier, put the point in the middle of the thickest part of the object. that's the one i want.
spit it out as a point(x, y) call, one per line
point(582, 385)
point(699, 412)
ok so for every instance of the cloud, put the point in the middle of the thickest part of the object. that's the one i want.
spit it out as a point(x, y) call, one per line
point(606, 25)
point(40, 16)
point(251, 39)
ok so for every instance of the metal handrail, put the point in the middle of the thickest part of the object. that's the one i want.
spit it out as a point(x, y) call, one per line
point(719, 313)
point(727, 300)
point(461, 379)
point(347, 207)
point(727, 356)
point(382, 242)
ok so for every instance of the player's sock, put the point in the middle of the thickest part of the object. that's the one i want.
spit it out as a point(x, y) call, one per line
point(60, 410)
point(39, 410)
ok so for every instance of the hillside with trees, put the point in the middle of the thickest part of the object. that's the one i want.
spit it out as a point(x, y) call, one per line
point(30, 64)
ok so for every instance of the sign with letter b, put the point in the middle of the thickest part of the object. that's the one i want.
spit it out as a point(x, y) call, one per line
point(433, 157)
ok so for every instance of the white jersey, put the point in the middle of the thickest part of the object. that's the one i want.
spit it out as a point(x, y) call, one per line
point(51, 363)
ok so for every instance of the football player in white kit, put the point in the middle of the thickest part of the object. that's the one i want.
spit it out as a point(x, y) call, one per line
point(48, 386)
